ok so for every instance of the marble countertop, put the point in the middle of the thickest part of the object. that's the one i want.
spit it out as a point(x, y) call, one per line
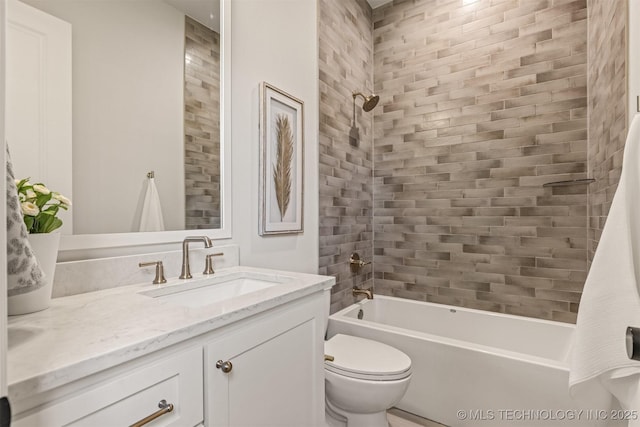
point(86, 333)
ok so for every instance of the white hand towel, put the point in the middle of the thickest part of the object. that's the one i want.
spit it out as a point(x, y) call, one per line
point(151, 218)
point(600, 367)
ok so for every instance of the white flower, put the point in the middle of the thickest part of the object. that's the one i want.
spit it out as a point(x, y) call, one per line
point(41, 189)
point(37, 200)
point(61, 199)
point(17, 181)
point(29, 209)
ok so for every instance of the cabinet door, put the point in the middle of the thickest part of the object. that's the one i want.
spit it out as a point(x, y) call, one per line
point(276, 376)
point(131, 397)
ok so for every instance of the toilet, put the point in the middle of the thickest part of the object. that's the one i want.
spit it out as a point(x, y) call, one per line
point(362, 380)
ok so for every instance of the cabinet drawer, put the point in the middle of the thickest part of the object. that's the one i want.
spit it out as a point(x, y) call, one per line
point(132, 396)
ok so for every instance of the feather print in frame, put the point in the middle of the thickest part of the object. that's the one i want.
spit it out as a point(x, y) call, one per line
point(282, 167)
point(281, 164)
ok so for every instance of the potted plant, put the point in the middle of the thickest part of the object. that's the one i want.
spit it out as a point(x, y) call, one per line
point(40, 209)
point(40, 206)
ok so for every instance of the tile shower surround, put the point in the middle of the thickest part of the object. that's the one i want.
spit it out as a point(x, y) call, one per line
point(202, 126)
point(480, 105)
point(607, 107)
point(346, 65)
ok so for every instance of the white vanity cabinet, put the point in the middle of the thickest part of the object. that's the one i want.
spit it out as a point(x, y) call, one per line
point(269, 372)
point(274, 376)
point(130, 397)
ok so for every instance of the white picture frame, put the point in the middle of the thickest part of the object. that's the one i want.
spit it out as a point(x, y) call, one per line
point(281, 162)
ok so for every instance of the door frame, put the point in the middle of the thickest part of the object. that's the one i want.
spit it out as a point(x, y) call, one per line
point(3, 208)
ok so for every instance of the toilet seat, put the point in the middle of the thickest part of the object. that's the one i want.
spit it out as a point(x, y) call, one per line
point(366, 359)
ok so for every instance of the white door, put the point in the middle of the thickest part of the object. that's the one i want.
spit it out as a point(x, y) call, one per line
point(38, 103)
point(31, 123)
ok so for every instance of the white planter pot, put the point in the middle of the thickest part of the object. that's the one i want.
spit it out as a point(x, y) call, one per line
point(45, 247)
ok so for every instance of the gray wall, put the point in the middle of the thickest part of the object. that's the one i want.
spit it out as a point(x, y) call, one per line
point(346, 65)
point(480, 105)
point(607, 107)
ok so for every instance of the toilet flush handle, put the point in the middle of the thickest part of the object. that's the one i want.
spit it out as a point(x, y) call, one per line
point(328, 358)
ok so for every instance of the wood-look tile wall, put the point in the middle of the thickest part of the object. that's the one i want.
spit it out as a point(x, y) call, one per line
point(607, 107)
point(202, 126)
point(346, 65)
point(481, 104)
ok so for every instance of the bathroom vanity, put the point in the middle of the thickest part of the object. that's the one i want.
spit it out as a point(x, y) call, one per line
point(244, 347)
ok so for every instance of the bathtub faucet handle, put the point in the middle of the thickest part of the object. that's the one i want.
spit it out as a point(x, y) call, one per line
point(356, 263)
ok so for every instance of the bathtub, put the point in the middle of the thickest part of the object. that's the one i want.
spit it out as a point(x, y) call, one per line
point(473, 367)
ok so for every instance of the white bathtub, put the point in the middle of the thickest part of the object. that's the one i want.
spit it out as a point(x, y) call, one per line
point(473, 367)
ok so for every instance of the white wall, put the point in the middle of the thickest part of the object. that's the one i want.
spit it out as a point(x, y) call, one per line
point(274, 41)
point(128, 60)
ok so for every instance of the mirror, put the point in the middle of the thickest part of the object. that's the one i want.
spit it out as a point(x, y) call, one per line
point(149, 83)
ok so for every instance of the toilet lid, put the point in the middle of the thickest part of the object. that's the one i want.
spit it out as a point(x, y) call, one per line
point(363, 358)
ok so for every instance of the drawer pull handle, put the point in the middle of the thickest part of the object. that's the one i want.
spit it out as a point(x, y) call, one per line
point(225, 367)
point(165, 408)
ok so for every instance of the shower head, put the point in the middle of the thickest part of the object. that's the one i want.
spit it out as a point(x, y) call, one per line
point(369, 104)
point(370, 101)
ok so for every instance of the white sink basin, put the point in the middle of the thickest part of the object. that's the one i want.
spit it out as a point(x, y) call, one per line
point(208, 291)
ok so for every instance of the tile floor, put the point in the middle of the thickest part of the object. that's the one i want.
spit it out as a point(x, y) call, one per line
point(398, 418)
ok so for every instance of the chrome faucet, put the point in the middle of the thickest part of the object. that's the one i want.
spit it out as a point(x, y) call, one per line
point(367, 292)
point(186, 271)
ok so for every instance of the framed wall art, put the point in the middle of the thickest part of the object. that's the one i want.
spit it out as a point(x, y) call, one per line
point(281, 161)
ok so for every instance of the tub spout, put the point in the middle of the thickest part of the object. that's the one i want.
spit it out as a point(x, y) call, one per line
point(367, 292)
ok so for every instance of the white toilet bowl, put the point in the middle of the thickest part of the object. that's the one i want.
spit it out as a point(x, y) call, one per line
point(364, 380)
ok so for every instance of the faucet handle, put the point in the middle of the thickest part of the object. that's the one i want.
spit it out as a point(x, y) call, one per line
point(356, 263)
point(159, 271)
point(208, 263)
